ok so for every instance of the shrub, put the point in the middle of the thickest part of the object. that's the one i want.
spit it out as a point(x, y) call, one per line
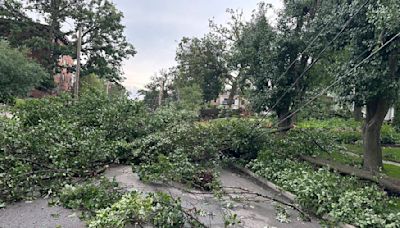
point(389, 135)
point(349, 131)
point(323, 108)
point(302, 142)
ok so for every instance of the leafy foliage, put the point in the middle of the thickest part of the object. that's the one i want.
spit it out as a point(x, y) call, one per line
point(89, 197)
point(344, 198)
point(349, 131)
point(158, 209)
point(178, 152)
point(52, 140)
point(190, 152)
point(201, 62)
point(18, 73)
point(104, 45)
point(238, 138)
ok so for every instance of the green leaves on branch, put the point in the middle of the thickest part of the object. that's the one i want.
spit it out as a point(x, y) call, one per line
point(52, 140)
point(158, 209)
point(18, 73)
point(345, 199)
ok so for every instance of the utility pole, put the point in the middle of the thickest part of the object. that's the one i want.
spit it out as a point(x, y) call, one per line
point(78, 63)
point(107, 87)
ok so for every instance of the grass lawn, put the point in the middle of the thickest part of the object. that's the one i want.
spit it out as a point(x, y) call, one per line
point(389, 170)
point(389, 153)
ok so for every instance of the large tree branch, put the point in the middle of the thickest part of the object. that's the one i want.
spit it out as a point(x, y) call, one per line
point(388, 183)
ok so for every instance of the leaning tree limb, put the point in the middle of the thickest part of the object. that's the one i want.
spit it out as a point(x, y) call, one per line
point(388, 183)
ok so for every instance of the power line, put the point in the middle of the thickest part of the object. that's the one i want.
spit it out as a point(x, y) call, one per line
point(339, 78)
point(310, 66)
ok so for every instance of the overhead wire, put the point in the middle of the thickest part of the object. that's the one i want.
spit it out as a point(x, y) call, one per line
point(340, 78)
point(308, 67)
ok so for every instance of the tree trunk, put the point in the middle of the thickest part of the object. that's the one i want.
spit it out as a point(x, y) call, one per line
point(285, 121)
point(376, 112)
point(358, 115)
point(232, 93)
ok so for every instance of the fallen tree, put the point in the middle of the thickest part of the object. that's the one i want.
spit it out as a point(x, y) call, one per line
point(388, 183)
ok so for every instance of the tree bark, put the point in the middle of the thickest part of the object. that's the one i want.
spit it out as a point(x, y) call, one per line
point(376, 112)
point(283, 117)
point(232, 93)
point(391, 184)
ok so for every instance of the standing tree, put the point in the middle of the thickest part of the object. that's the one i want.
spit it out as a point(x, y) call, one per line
point(377, 82)
point(104, 45)
point(161, 89)
point(43, 40)
point(277, 61)
point(201, 63)
point(232, 35)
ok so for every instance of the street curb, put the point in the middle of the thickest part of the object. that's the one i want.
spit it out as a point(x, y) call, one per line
point(290, 196)
point(265, 183)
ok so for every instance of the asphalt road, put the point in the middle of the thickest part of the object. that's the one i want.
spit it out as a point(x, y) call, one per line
point(242, 197)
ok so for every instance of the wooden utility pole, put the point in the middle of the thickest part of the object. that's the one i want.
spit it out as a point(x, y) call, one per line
point(107, 87)
point(78, 63)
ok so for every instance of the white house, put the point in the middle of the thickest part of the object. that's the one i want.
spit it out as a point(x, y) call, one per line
point(222, 101)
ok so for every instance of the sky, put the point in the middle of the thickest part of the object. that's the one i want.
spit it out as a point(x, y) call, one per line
point(155, 28)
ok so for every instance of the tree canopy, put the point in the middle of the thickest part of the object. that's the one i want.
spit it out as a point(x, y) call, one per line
point(18, 73)
point(104, 45)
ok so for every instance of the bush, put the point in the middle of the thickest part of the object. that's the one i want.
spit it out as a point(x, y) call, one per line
point(389, 135)
point(19, 74)
point(302, 142)
point(343, 131)
point(211, 113)
point(349, 131)
point(324, 108)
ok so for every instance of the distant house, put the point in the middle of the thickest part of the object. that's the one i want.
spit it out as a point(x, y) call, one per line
point(223, 100)
point(65, 79)
point(62, 80)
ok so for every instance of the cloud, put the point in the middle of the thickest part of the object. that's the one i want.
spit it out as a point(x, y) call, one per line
point(155, 26)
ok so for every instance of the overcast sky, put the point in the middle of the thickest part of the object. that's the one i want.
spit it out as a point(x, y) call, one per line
point(155, 27)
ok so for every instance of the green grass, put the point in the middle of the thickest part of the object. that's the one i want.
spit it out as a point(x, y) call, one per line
point(392, 170)
point(388, 169)
point(343, 158)
point(389, 153)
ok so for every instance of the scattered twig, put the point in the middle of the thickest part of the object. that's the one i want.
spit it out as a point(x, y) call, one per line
point(293, 206)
